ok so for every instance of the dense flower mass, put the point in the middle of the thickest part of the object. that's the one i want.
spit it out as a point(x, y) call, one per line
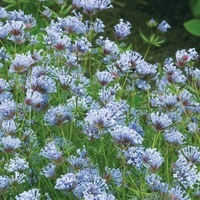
point(85, 116)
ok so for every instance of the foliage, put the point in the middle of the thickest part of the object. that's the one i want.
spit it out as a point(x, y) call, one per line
point(193, 25)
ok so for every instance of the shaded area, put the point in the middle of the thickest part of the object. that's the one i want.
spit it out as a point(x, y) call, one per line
point(137, 12)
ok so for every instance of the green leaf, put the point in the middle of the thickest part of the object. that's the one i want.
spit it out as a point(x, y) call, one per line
point(196, 9)
point(144, 37)
point(193, 26)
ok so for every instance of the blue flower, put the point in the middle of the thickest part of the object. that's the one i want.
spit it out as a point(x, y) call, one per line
point(122, 30)
point(163, 26)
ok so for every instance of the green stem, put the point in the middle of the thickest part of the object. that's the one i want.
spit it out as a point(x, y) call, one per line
point(103, 150)
point(38, 10)
point(155, 140)
point(167, 164)
point(18, 4)
point(147, 51)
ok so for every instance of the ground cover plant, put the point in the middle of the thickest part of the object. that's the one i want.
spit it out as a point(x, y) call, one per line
point(84, 116)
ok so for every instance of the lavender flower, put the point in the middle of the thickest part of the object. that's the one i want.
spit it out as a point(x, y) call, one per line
point(3, 32)
point(90, 7)
point(17, 178)
point(104, 77)
point(57, 116)
point(147, 71)
point(109, 47)
point(78, 163)
point(21, 64)
point(49, 171)
point(42, 84)
point(91, 132)
point(81, 46)
point(29, 195)
point(142, 85)
point(122, 30)
point(187, 176)
point(9, 144)
point(71, 24)
point(163, 26)
point(4, 184)
point(67, 182)
point(77, 4)
point(160, 121)
point(152, 159)
point(97, 26)
point(174, 137)
point(3, 13)
point(16, 28)
point(193, 54)
point(51, 152)
point(182, 57)
point(129, 60)
point(191, 154)
point(47, 12)
point(100, 119)
point(3, 56)
point(174, 75)
point(134, 156)
point(178, 193)
point(107, 95)
point(103, 196)
point(193, 128)
point(96, 187)
point(62, 43)
point(154, 182)
point(113, 175)
point(16, 164)
point(125, 137)
point(9, 127)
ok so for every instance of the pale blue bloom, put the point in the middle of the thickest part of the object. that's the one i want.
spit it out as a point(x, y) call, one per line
point(178, 193)
point(29, 195)
point(49, 171)
point(122, 30)
point(104, 77)
point(152, 159)
point(163, 26)
point(16, 164)
point(4, 184)
point(125, 137)
point(9, 144)
point(21, 64)
point(51, 152)
point(57, 116)
point(67, 182)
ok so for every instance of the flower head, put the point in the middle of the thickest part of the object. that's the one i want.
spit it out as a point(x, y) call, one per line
point(122, 30)
point(51, 152)
point(126, 137)
point(163, 26)
point(67, 182)
point(21, 64)
point(33, 194)
point(160, 121)
point(57, 116)
point(9, 144)
point(16, 164)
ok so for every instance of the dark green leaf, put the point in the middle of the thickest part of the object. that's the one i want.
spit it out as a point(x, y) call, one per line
point(193, 26)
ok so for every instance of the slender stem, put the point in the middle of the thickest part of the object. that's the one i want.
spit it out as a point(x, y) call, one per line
point(38, 10)
point(18, 4)
point(103, 150)
point(167, 164)
point(147, 51)
point(155, 140)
